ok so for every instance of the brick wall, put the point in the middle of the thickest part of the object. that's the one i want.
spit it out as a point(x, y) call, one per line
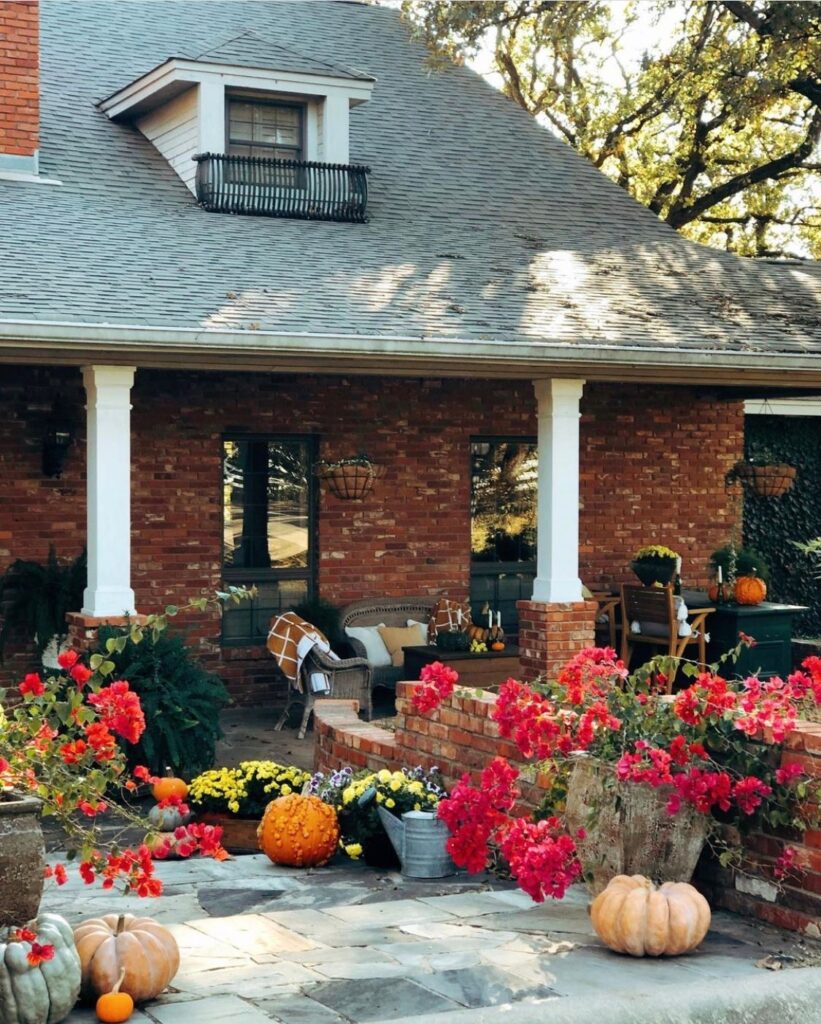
point(550, 634)
point(19, 78)
point(411, 535)
point(460, 736)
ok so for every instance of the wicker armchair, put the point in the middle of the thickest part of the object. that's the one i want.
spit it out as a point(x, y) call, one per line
point(350, 678)
point(393, 611)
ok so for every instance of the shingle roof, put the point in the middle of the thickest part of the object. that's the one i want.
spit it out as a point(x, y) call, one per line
point(483, 225)
point(250, 50)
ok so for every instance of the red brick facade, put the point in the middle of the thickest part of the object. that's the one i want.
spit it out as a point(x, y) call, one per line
point(19, 78)
point(652, 468)
point(549, 634)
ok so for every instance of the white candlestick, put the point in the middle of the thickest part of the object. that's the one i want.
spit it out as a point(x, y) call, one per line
point(459, 617)
point(490, 619)
point(499, 619)
point(720, 575)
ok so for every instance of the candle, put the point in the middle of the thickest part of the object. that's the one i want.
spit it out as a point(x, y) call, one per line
point(499, 620)
point(720, 575)
point(489, 619)
point(459, 617)
point(678, 566)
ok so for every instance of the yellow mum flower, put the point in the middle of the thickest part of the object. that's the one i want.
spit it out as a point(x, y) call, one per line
point(354, 850)
point(396, 785)
point(379, 798)
point(285, 790)
point(389, 803)
point(384, 775)
point(348, 795)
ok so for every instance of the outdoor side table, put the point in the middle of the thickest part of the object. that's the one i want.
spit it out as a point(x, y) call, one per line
point(480, 670)
point(771, 625)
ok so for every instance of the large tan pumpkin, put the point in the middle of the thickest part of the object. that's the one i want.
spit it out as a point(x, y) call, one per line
point(299, 831)
point(143, 948)
point(633, 916)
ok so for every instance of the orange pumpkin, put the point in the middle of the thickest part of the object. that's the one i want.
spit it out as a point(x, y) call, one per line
point(750, 590)
point(115, 1006)
point(146, 952)
point(632, 916)
point(168, 786)
point(477, 633)
point(497, 645)
point(299, 831)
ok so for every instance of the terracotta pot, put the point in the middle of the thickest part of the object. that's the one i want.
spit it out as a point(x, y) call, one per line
point(22, 858)
point(239, 835)
point(629, 831)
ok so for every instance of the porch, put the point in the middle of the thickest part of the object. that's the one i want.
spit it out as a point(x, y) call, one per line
point(153, 473)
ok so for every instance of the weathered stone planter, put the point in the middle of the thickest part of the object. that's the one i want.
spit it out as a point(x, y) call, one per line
point(629, 831)
point(22, 858)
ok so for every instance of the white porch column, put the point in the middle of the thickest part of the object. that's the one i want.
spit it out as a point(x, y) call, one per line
point(557, 566)
point(108, 394)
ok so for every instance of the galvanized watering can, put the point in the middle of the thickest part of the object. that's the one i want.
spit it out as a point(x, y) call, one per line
point(419, 840)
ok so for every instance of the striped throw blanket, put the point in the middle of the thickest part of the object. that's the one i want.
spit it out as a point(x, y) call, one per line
point(290, 640)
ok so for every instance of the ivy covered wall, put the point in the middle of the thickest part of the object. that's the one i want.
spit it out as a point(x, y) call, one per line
point(770, 524)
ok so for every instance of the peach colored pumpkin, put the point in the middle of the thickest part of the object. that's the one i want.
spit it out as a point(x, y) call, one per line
point(146, 951)
point(633, 916)
point(750, 590)
point(299, 831)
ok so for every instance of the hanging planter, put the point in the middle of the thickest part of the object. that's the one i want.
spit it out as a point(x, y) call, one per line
point(349, 479)
point(773, 480)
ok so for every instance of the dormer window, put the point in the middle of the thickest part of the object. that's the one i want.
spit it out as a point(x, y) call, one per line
point(254, 127)
point(265, 128)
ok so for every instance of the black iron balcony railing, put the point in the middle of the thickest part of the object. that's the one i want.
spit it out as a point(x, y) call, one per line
point(282, 188)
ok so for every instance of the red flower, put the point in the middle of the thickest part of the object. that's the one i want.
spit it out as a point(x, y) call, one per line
point(120, 710)
point(23, 935)
point(72, 752)
point(104, 744)
point(80, 674)
point(39, 954)
point(788, 774)
point(32, 685)
point(60, 876)
point(67, 659)
point(438, 682)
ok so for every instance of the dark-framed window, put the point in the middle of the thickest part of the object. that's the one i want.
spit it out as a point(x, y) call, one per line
point(503, 484)
point(269, 528)
point(265, 128)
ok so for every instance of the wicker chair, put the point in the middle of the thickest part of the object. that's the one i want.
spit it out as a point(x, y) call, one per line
point(350, 679)
point(393, 611)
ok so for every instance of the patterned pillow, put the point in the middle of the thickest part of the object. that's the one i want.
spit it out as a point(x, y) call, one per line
point(445, 617)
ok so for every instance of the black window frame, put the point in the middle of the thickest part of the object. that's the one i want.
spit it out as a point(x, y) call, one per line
point(265, 101)
point(249, 576)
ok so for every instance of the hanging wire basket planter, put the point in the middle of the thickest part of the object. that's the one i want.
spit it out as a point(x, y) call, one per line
point(349, 479)
point(773, 480)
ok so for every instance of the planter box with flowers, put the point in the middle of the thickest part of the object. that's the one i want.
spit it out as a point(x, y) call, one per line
point(235, 798)
point(655, 564)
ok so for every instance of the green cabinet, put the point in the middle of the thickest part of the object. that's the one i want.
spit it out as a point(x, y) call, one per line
point(771, 627)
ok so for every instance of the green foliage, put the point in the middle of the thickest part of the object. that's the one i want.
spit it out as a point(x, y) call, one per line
point(707, 113)
point(181, 701)
point(773, 525)
point(324, 615)
point(35, 598)
point(748, 562)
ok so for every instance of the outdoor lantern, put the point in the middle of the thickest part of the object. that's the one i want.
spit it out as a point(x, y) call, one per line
point(57, 440)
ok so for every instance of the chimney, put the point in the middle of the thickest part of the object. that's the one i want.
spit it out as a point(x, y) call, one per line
point(19, 86)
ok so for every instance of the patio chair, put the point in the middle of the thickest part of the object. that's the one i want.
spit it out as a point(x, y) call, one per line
point(655, 610)
point(348, 679)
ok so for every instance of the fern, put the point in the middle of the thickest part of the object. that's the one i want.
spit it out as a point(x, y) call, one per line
point(180, 699)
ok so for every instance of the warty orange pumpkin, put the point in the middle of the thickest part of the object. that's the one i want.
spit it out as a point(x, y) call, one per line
point(146, 951)
point(299, 831)
point(750, 590)
point(633, 916)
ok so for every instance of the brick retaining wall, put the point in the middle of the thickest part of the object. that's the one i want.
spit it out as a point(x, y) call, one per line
point(460, 736)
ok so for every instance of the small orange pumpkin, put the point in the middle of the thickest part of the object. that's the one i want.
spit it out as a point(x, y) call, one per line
point(477, 633)
point(299, 831)
point(169, 785)
point(115, 1006)
point(497, 645)
point(750, 590)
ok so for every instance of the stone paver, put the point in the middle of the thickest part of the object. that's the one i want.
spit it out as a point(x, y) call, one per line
point(355, 946)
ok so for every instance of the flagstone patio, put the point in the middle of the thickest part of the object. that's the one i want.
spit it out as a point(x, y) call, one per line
point(345, 943)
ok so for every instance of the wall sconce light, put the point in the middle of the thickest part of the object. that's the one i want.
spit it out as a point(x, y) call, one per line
point(57, 439)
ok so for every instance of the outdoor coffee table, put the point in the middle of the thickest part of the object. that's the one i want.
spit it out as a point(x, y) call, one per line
point(481, 670)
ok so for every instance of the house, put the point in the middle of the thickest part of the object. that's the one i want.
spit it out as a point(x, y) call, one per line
point(425, 275)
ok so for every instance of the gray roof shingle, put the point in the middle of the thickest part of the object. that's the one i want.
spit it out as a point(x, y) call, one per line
point(483, 225)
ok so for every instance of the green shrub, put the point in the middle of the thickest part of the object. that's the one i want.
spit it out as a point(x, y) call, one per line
point(181, 701)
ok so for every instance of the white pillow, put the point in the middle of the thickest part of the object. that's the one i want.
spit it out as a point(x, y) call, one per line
point(422, 627)
point(375, 650)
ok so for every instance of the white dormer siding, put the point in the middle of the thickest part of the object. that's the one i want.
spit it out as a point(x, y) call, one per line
point(173, 128)
point(180, 108)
